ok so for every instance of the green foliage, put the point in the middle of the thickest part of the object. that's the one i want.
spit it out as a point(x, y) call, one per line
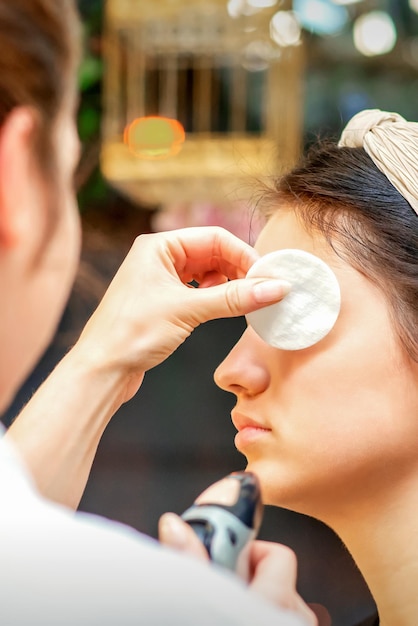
point(93, 189)
point(90, 72)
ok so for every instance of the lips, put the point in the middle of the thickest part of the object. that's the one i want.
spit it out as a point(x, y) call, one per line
point(242, 422)
point(250, 432)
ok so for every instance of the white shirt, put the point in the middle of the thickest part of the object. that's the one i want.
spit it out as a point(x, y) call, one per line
point(59, 568)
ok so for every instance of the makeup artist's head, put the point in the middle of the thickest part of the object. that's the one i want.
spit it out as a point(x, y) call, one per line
point(39, 229)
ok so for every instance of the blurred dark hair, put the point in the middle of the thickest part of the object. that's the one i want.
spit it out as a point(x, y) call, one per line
point(39, 54)
point(39, 43)
point(342, 194)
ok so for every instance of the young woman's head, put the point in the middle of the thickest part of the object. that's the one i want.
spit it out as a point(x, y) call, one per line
point(328, 426)
point(39, 229)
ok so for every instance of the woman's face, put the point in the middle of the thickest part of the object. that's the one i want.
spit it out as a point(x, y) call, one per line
point(329, 424)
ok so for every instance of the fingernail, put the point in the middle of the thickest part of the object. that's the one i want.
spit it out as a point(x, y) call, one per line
point(171, 530)
point(271, 290)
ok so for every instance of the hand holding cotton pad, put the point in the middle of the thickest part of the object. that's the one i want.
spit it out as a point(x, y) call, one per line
point(310, 309)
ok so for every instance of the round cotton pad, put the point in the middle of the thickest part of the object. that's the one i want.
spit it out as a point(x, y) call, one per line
point(310, 309)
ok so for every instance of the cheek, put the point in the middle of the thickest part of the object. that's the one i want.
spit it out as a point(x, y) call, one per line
point(351, 394)
point(354, 377)
point(342, 419)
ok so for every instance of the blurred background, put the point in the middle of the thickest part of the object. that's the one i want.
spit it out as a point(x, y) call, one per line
point(185, 106)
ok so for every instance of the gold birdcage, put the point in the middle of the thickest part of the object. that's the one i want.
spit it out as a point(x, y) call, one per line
point(213, 66)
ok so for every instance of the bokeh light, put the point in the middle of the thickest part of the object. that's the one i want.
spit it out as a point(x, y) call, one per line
point(285, 29)
point(154, 137)
point(258, 54)
point(262, 4)
point(344, 2)
point(321, 17)
point(374, 33)
point(413, 4)
point(238, 8)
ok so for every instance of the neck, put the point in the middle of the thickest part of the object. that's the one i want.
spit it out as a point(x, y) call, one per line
point(382, 536)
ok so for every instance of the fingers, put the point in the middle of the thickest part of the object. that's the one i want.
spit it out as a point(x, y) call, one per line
point(238, 297)
point(174, 532)
point(273, 567)
point(274, 571)
point(195, 251)
point(149, 309)
point(211, 256)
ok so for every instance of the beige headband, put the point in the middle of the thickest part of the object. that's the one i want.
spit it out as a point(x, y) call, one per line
point(392, 144)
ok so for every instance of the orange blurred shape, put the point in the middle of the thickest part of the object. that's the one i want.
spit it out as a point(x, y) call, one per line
point(154, 137)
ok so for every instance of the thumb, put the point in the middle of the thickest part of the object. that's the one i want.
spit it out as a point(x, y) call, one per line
point(240, 296)
point(176, 533)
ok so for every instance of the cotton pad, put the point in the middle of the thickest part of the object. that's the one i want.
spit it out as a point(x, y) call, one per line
point(310, 309)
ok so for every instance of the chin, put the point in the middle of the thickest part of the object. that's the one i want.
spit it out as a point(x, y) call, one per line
point(270, 483)
point(277, 487)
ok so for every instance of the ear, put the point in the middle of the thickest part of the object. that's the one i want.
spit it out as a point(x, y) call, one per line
point(17, 176)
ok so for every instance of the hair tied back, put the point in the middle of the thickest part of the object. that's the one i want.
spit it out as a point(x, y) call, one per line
point(392, 144)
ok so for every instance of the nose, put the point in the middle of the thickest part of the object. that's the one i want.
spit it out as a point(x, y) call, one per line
point(244, 371)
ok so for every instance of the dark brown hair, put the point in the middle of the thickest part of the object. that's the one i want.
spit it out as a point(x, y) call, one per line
point(342, 194)
point(39, 53)
point(39, 43)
